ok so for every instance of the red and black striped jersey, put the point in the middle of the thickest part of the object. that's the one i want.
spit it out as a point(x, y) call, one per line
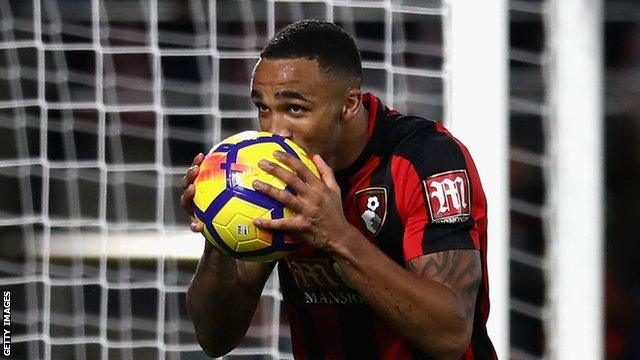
point(413, 190)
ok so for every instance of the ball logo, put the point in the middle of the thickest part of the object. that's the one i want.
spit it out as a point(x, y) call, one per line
point(372, 207)
point(448, 196)
point(242, 229)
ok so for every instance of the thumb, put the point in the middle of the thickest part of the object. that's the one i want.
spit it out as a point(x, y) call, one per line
point(326, 174)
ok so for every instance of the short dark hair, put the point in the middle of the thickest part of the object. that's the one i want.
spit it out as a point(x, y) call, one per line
point(334, 50)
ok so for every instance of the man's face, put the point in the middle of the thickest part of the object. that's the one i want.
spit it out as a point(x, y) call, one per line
point(297, 101)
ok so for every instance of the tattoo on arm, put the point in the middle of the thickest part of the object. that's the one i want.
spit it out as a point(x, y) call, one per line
point(460, 270)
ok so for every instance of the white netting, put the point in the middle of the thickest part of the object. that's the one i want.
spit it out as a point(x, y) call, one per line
point(102, 106)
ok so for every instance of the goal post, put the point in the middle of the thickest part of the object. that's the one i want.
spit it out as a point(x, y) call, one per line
point(576, 229)
point(478, 66)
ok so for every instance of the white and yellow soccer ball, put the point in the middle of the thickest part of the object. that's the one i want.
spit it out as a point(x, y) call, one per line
point(226, 203)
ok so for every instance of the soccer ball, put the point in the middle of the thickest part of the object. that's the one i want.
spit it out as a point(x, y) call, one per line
point(226, 203)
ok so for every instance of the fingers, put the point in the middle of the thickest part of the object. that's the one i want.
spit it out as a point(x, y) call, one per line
point(195, 225)
point(283, 196)
point(193, 171)
point(289, 178)
point(294, 223)
point(298, 166)
point(186, 199)
point(326, 173)
point(197, 160)
point(190, 176)
point(303, 181)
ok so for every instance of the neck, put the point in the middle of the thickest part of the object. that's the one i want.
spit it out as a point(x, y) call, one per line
point(353, 140)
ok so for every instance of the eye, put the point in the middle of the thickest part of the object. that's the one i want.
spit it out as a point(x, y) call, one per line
point(262, 108)
point(296, 109)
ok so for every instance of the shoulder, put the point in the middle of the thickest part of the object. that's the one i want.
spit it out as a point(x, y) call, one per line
point(431, 149)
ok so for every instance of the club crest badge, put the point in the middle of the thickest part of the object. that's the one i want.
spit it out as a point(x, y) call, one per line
point(371, 204)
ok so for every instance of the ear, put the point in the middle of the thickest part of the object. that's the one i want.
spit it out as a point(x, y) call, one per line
point(352, 104)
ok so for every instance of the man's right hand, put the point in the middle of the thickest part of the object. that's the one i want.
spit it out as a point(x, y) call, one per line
point(189, 190)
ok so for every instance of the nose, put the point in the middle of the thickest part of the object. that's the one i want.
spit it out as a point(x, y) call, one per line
point(280, 127)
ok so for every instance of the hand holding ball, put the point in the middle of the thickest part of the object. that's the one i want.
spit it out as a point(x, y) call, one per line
point(226, 203)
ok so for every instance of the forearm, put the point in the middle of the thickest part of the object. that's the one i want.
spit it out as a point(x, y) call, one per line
point(222, 299)
point(426, 312)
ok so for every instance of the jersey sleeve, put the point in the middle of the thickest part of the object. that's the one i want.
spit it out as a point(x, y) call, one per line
point(437, 193)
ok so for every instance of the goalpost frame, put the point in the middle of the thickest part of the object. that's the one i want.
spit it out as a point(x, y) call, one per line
point(477, 52)
point(575, 251)
point(477, 62)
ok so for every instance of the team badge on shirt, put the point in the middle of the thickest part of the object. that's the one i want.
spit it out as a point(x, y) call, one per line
point(371, 204)
point(448, 196)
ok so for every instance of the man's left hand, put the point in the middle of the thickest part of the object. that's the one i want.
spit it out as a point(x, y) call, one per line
point(316, 204)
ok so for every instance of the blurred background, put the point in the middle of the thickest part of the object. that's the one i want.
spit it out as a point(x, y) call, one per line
point(104, 103)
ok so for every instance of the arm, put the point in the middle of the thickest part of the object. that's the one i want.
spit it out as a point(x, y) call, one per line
point(431, 302)
point(224, 292)
point(222, 299)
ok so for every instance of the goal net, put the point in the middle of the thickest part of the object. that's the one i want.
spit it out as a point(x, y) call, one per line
point(103, 104)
